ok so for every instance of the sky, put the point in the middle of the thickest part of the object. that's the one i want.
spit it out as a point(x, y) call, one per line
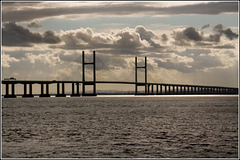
point(185, 42)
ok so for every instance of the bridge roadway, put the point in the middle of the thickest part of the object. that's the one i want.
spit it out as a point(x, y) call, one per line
point(152, 88)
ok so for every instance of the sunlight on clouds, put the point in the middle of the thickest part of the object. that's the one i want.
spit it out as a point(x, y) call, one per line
point(6, 60)
point(47, 58)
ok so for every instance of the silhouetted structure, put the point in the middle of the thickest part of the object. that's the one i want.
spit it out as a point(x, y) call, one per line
point(46, 94)
point(92, 83)
point(136, 77)
point(160, 88)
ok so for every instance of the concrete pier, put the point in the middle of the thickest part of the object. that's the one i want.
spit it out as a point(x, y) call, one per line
point(60, 94)
point(29, 94)
point(75, 94)
point(8, 95)
point(46, 93)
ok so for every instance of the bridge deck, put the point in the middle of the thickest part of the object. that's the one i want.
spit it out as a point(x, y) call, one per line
point(103, 82)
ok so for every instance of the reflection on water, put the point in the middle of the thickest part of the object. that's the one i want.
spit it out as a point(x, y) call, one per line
point(135, 127)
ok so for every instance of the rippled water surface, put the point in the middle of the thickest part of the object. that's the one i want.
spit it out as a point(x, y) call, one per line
point(126, 127)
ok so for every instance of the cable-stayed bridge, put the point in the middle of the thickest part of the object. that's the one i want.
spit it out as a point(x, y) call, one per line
point(149, 88)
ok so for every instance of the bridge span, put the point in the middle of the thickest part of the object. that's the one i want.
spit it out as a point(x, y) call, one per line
point(149, 88)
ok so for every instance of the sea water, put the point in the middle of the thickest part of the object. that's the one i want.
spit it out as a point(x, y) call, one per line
point(120, 127)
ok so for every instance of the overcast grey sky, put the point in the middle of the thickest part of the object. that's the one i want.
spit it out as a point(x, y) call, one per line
point(185, 42)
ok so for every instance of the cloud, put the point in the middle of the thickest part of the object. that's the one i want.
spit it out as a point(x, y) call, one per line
point(219, 29)
point(192, 34)
point(126, 41)
point(205, 26)
point(15, 35)
point(164, 37)
point(123, 40)
point(204, 61)
point(180, 38)
point(50, 37)
point(46, 10)
point(191, 61)
point(147, 35)
point(230, 34)
point(181, 66)
point(192, 37)
point(46, 58)
point(7, 59)
point(34, 25)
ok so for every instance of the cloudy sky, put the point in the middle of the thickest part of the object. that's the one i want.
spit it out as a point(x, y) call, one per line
point(185, 42)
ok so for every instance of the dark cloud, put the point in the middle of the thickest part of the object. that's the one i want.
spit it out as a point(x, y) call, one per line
point(34, 25)
point(205, 8)
point(164, 37)
point(28, 14)
point(214, 37)
point(50, 37)
point(205, 26)
point(185, 36)
point(147, 35)
point(219, 29)
point(15, 35)
point(190, 35)
point(229, 34)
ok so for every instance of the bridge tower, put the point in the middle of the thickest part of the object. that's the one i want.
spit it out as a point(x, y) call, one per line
point(136, 79)
point(92, 83)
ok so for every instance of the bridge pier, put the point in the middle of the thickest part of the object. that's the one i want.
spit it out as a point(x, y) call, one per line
point(181, 92)
point(173, 89)
point(165, 89)
point(42, 90)
point(148, 88)
point(161, 92)
point(73, 90)
point(152, 89)
point(12, 95)
point(58, 90)
point(25, 95)
point(203, 90)
point(218, 90)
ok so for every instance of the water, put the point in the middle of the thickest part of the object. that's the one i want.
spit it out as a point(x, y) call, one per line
point(126, 127)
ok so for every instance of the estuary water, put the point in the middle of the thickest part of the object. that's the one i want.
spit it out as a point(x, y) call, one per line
point(120, 127)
